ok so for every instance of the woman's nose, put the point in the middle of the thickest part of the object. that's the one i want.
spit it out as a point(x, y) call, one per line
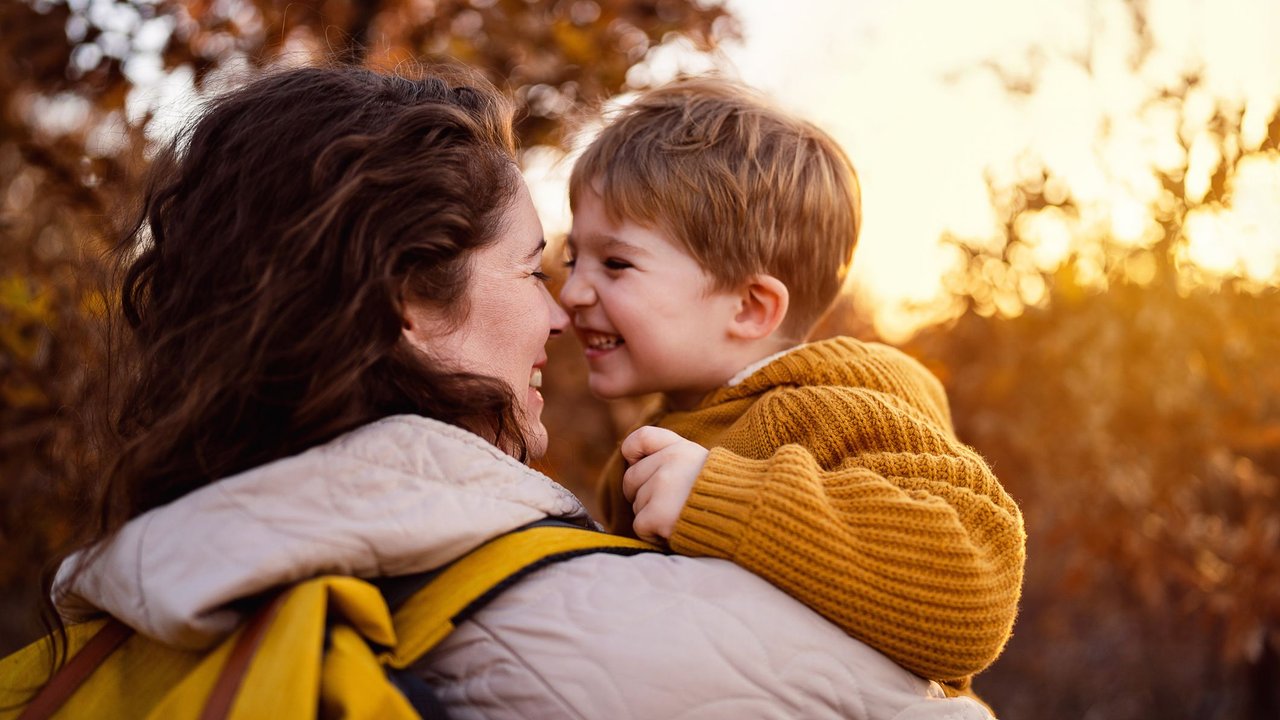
point(576, 292)
point(559, 318)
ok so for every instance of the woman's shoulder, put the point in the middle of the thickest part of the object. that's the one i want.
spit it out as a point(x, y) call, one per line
point(398, 496)
point(668, 636)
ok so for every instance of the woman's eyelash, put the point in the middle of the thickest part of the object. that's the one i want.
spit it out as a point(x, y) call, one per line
point(541, 276)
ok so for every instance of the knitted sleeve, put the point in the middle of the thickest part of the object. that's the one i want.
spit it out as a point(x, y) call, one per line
point(908, 542)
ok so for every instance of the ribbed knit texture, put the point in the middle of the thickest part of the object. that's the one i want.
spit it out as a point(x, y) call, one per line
point(835, 474)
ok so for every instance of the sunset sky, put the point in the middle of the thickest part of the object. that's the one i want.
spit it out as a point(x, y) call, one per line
point(906, 88)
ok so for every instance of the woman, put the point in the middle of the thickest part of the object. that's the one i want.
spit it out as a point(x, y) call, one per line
point(338, 313)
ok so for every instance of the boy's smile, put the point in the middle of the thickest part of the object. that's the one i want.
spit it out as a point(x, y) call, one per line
point(596, 343)
point(648, 316)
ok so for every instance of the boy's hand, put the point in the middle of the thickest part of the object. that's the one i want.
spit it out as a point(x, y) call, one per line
point(662, 469)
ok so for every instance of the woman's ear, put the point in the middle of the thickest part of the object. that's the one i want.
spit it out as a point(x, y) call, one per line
point(409, 319)
point(404, 308)
point(762, 306)
point(416, 321)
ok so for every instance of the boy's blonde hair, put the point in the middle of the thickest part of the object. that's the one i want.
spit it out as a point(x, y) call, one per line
point(745, 187)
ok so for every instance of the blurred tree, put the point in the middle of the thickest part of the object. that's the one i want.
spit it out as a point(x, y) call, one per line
point(82, 94)
point(1130, 399)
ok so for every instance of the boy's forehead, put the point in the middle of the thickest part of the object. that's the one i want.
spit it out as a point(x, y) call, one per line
point(594, 227)
point(605, 241)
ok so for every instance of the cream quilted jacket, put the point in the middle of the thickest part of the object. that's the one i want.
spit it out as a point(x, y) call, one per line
point(601, 636)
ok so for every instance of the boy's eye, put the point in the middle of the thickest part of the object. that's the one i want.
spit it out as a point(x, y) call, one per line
point(570, 262)
point(617, 264)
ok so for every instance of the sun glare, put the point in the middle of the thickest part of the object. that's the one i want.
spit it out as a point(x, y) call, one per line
point(1129, 221)
point(1048, 235)
point(1244, 237)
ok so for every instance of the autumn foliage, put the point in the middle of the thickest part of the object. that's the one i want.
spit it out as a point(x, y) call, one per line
point(1139, 427)
point(1128, 398)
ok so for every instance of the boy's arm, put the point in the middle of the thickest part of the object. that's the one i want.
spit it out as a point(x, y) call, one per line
point(909, 544)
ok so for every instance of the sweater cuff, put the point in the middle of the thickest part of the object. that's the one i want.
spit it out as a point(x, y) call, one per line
point(716, 515)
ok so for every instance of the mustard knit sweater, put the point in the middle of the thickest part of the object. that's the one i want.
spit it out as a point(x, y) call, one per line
point(835, 475)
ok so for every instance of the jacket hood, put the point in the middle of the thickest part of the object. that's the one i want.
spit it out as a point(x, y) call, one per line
point(400, 495)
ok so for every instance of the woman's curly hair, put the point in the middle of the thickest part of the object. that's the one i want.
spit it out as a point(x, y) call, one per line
point(263, 284)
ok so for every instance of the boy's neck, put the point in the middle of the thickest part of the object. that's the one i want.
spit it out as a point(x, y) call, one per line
point(750, 369)
point(736, 370)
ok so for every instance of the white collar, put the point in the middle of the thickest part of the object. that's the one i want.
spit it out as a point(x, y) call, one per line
point(749, 370)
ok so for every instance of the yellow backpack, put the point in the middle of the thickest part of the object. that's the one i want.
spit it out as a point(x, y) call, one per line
point(327, 647)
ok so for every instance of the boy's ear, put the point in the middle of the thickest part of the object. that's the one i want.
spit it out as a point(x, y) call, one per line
point(762, 306)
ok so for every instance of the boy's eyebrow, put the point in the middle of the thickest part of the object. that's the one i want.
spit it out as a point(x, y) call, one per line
point(613, 243)
point(610, 244)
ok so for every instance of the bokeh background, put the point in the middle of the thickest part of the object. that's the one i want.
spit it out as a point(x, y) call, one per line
point(1073, 218)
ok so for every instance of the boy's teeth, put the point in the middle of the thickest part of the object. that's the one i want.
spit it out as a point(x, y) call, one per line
point(535, 380)
point(603, 342)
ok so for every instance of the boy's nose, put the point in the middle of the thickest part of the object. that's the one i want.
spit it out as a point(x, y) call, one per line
point(576, 292)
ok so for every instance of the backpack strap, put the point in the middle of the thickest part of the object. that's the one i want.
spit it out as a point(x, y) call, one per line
point(71, 676)
point(451, 595)
point(223, 695)
point(427, 607)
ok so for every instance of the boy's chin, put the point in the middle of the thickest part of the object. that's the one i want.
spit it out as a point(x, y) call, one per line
point(607, 389)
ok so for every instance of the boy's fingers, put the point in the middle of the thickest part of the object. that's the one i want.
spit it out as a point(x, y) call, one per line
point(646, 441)
point(642, 529)
point(643, 496)
point(636, 476)
point(655, 518)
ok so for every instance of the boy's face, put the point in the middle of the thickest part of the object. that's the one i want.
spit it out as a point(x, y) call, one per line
point(645, 311)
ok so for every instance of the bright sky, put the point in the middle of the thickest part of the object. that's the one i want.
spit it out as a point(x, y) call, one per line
point(900, 85)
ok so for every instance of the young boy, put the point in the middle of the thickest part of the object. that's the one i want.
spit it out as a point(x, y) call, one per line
point(710, 233)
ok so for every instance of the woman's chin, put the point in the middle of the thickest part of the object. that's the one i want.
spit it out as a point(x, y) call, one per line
point(535, 432)
point(536, 441)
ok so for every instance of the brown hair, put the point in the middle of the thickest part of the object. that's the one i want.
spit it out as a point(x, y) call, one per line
point(264, 280)
point(745, 187)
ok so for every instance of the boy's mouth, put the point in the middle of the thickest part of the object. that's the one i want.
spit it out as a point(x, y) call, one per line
point(601, 341)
